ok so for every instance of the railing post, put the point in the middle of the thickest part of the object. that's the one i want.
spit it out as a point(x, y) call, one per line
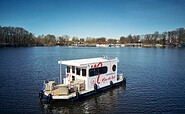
point(60, 73)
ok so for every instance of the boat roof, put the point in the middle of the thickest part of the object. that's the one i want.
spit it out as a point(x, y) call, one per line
point(86, 62)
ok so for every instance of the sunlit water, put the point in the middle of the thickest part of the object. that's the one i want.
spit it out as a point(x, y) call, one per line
point(155, 80)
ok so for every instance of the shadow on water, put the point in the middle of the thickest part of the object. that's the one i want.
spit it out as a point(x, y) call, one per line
point(103, 102)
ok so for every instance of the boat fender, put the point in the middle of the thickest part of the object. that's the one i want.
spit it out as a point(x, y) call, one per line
point(46, 81)
point(95, 87)
point(49, 98)
point(77, 95)
point(111, 84)
point(124, 81)
point(41, 94)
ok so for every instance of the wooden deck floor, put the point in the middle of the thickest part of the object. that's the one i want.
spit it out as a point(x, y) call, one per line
point(55, 92)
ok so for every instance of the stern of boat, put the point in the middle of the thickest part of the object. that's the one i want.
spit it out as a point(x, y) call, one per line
point(53, 90)
point(120, 78)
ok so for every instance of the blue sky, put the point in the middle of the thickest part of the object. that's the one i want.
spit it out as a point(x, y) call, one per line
point(93, 18)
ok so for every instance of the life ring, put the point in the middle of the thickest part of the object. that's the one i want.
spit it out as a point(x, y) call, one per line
point(111, 84)
point(41, 94)
point(49, 98)
point(95, 87)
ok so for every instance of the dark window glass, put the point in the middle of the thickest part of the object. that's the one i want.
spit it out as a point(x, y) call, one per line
point(83, 72)
point(91, 72)
point(97, 71)
point(102, 70)
point(77, 71)
point(114, 68)
point(73, 78)
point(73, 69)
point(68, 69)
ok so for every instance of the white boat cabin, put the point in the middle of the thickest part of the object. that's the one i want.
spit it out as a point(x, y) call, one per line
point(89, 72)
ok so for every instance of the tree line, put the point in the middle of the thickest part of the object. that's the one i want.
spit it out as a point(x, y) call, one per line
point(17, 36)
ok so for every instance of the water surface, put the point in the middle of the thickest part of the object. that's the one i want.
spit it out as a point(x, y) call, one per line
point(155, 80)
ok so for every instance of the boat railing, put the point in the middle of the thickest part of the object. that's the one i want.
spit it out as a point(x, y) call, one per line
point(120, 76)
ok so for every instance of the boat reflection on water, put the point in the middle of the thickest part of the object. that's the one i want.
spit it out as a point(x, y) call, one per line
point(104, 102)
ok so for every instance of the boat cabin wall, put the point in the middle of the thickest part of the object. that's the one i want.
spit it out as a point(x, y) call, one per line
point(102, 73)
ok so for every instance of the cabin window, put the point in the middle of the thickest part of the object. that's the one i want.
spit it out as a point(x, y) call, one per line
point(68, 69)
point(97, 71)
point(114, 68)
point(83, 72)
point(77, 71)
point(73, 78)
point(73, 69)
point(91, 72)
point(102, 70)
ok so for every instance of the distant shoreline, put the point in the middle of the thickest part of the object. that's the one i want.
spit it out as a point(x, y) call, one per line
point(130, 45)
point(19, 37)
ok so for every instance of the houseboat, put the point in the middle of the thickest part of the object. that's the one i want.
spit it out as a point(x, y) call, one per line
point(83, 77)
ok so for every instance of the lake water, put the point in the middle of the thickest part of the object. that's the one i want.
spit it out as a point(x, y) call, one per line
point(155, 80)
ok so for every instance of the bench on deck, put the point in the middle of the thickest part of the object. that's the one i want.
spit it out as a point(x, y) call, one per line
point(62, 89)
point(77, 84)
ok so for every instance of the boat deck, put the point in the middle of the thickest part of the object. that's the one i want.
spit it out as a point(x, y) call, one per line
point(55, 94)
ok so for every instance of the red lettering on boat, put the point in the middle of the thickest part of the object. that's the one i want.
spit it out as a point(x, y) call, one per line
point(107, 79)
point(98, 65)
point(68, 76)
point(98, 79)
